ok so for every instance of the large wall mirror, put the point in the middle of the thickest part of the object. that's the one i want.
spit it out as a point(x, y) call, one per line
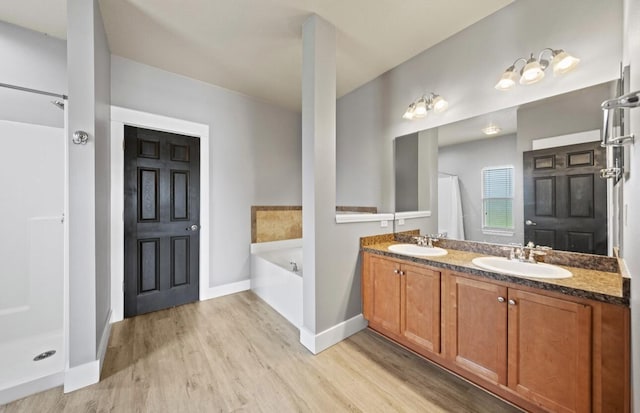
point(531, 175)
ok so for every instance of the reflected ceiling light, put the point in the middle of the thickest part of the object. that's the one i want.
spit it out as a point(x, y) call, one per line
point(424, 104)
point(533, 69)
point(491, 129)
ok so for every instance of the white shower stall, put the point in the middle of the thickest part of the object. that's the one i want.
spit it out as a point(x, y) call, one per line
point(32, 246)
point(450, 217)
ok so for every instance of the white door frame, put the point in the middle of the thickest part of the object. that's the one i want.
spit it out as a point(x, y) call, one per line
point(119, 118)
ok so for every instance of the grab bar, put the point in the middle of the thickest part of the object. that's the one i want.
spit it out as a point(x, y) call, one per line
point(630, 100)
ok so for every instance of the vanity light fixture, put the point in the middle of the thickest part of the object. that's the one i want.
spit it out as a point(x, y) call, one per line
point(491, 129)
point(424, 104)
point(533, 69)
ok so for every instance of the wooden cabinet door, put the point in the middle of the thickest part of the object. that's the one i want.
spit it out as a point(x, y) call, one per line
point(385, 295)
point(421, 307)
point(549, 351)
point(477, 328)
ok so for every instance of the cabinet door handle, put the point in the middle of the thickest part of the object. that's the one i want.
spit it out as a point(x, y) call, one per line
point(401, 272)
point(396, 272)
point(512, 302)
point(501, 299)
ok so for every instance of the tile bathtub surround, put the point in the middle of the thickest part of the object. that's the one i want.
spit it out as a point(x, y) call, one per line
point(281, 222)
point(587, 283)
point(275, 223)
point(357, 209)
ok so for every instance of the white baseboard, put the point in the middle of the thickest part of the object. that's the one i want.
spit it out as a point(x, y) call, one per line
point(81, 376)
point(104, 341)
point(226, 289)
point(27, 389)
point(316, 343)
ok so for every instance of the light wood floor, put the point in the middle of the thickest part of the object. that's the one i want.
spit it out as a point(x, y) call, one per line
point(236, 354)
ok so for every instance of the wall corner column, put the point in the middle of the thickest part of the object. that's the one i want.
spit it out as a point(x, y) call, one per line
point(318, 162)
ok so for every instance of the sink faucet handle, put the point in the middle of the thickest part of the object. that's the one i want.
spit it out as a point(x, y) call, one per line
point(512, 252)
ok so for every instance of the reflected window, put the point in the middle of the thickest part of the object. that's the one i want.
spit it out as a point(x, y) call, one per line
point(497, 198)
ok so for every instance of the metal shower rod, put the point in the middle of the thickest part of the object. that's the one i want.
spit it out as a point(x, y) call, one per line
point(26, 89)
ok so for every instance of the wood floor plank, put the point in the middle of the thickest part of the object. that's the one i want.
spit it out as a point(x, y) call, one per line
point(236, 354)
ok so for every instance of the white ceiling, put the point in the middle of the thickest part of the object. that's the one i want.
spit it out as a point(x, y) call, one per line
point(471, 129)
point(255, 46)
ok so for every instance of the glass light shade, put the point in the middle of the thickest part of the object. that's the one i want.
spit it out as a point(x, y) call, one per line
point(410, 112)
point(507, 80)
point(439, 104)
point(563, 62)
point(531, 73)
point(421, 109)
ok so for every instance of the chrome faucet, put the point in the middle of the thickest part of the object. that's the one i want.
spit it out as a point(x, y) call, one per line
point(519, 252)
point(429, 239)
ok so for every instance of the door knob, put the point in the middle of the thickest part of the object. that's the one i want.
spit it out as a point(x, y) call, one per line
point(193, 227)
point(529, 222)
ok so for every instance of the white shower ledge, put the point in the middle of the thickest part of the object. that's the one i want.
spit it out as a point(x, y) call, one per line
point(350, 218)
point(412, 214)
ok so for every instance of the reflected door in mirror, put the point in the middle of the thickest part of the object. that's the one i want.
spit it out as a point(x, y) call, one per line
point(565, 200)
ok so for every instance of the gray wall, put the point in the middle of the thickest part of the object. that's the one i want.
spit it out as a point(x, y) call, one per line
point(406, 172)
point(631, 241)
point(370, 117)
point(33, 60)
point(467, 160)
point(102, 83)
point(82, 222)
point(568, 113)
point(255, 152)
point(89, 187)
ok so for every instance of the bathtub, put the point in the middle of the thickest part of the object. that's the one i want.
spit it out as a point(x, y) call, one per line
point(273, 278)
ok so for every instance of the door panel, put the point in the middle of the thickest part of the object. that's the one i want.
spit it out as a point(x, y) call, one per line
point(477, 339)
point(421, 307)
point(545, 196)
point(385, 309)
point(549, 351)
point(565, 200)
point(161, 220)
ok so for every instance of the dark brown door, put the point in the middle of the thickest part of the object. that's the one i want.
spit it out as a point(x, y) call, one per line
point(565, 200)
point(161, 220)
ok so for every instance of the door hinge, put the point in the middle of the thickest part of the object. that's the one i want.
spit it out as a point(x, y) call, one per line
point(124, 145)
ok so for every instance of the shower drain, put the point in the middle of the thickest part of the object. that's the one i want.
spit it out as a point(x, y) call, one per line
point(44, 355)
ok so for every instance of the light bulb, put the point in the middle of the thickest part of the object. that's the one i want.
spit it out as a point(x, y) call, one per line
point(563, 62)
point(507, 80)
point(439, 104)
point(421, 108)
point(410, 112)
point(532, 72)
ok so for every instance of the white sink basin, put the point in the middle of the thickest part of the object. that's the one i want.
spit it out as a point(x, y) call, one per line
point(417, 251)
point(522, 269)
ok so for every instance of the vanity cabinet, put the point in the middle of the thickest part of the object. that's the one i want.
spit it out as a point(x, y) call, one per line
point(536, 346)
point(542, 350)
point(402, 301)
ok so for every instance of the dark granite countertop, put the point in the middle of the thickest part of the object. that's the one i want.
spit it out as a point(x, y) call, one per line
point(604, 286)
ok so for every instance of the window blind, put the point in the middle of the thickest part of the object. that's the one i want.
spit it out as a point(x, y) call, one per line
point(497, 197)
